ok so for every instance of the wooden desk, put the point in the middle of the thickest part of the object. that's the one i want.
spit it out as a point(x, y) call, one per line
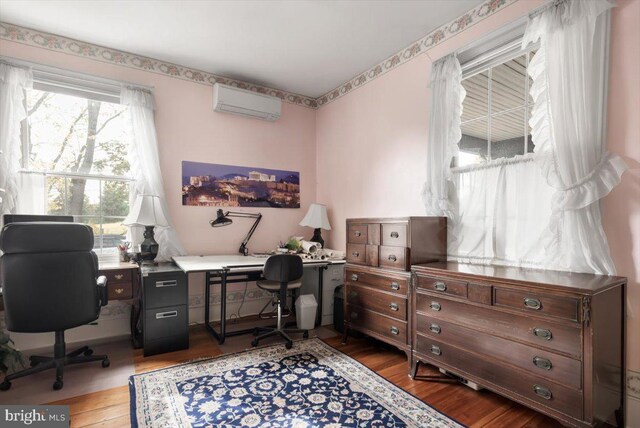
point(123, 280)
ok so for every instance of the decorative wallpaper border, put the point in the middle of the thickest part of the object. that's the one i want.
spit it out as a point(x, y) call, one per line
point(432, 39)
point(56, 43)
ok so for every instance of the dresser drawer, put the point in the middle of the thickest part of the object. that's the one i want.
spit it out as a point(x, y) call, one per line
point(165, 322)
point(357, 253)
point(119, 276)
point(390, 328)
point(122, 291)
point(554, 367)
point(357, 233)
point(377, 301)
point(394, 234)
point(444, 286)
point(539, 333)
point(162, 290)
point(391, 283)
point(525, 384)
point(393, 257)
point(543, 304)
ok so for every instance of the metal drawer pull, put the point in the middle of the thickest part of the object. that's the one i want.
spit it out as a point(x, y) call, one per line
point(355, 254)
point(436, 350)
point(392, 258)
point(440, 286)
point(532, 303)
point(354, 277)
point(170, 314)
point(435, 306)
point(354, 315)
point(394, 330)
point(118, 276)
point(357, 233)
point(393, 306)
point(543, 363)
point(542, 392)
point(119, 290)
point(435, 328)
point(395, 286)
point(168, 283)
point(542, 333)
point(394, 234)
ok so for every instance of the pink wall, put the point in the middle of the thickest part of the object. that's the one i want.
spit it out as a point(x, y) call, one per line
point(371, 145)
point(189, 129)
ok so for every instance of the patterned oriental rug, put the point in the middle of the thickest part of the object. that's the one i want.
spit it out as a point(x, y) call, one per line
point(310, 385)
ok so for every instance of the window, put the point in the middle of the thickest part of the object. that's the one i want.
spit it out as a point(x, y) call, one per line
point(496, 111)
point(77, 139)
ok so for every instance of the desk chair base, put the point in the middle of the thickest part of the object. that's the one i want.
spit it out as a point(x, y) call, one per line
point(279, 330)
point(58, 361)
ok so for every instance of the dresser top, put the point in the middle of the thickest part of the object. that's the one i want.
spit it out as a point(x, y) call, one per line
point(570, 281)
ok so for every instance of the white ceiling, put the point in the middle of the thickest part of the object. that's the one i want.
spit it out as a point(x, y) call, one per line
point(306, 47)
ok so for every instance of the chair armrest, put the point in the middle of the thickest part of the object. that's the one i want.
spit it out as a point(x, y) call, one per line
point(101, 281)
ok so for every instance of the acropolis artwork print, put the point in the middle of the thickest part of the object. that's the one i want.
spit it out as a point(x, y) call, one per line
point(215, 185)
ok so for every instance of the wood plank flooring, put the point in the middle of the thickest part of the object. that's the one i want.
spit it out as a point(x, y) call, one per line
point(110, 408)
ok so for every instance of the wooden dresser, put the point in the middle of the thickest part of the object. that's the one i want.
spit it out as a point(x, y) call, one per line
point(380, 252)
point(123, 280)
point(553, 341)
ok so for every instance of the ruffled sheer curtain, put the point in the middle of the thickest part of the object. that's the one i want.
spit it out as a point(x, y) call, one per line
point(145, 164)
point(568, 124)
point(13, 83)
point(445, 110)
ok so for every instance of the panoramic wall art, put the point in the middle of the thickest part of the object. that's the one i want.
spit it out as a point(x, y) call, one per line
point(215, 185)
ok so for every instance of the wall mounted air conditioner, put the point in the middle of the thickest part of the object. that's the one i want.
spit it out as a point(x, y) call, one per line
point(228, 99)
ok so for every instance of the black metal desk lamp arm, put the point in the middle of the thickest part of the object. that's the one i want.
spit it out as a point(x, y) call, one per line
point(243, 247)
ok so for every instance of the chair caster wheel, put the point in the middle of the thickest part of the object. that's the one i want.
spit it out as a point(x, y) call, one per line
point(305, 335)
point(254, 342)
point(106, 363)
point(57, 385)
point(88, 352)
point(33, 363)
point(256, 331)
point(288, 345)
point(4, 386)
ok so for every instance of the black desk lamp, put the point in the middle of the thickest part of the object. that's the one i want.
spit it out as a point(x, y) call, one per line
point(224, 220)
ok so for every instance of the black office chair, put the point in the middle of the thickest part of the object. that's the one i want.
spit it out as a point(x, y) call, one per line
point(49, 280)
point(281, 272)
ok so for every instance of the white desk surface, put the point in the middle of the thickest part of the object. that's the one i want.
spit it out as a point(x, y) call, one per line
point(233, 262)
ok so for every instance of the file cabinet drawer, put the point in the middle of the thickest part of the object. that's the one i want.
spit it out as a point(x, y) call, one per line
point(169, 289)
point(165, 322)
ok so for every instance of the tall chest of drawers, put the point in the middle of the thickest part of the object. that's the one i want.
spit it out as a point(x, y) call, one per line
point(380, 252)
point(553, 341)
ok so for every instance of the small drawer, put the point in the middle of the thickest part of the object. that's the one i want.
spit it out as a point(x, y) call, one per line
point(120, 276)
point(165, 322)
point(391, 283)
point(394, 234)
point(357, 233)
point(390, 328)
point(162, 290)
point(120, 291)
point(543, 304)
point(393, 257)
point(357, 253)
point(166, 344)
point(444, 286)
point(377, 301)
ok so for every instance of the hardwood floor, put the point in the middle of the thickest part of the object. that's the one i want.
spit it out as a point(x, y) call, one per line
point(110, 408)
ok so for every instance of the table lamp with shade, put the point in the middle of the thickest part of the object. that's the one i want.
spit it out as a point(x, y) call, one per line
point(147, 211)
point(317, 218)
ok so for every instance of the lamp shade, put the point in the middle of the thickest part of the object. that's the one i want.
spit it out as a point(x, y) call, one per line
point(316, 217)
point(146, 211)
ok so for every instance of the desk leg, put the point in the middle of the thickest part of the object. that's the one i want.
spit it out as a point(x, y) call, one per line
point(207, 311)
point(223, 307)
point(320, 294)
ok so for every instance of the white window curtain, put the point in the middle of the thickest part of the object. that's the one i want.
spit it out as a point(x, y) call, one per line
point(568, 128)
point(145, 163)
point(13, 82)
point(445, 110)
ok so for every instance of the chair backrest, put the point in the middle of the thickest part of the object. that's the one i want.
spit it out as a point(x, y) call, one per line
point(21, 218)
point(283, 268)
point(48, 275)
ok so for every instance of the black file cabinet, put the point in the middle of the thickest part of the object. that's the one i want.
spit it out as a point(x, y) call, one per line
point(165, 309)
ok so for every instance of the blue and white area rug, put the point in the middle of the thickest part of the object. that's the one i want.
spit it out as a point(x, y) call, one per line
point(311, 385)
